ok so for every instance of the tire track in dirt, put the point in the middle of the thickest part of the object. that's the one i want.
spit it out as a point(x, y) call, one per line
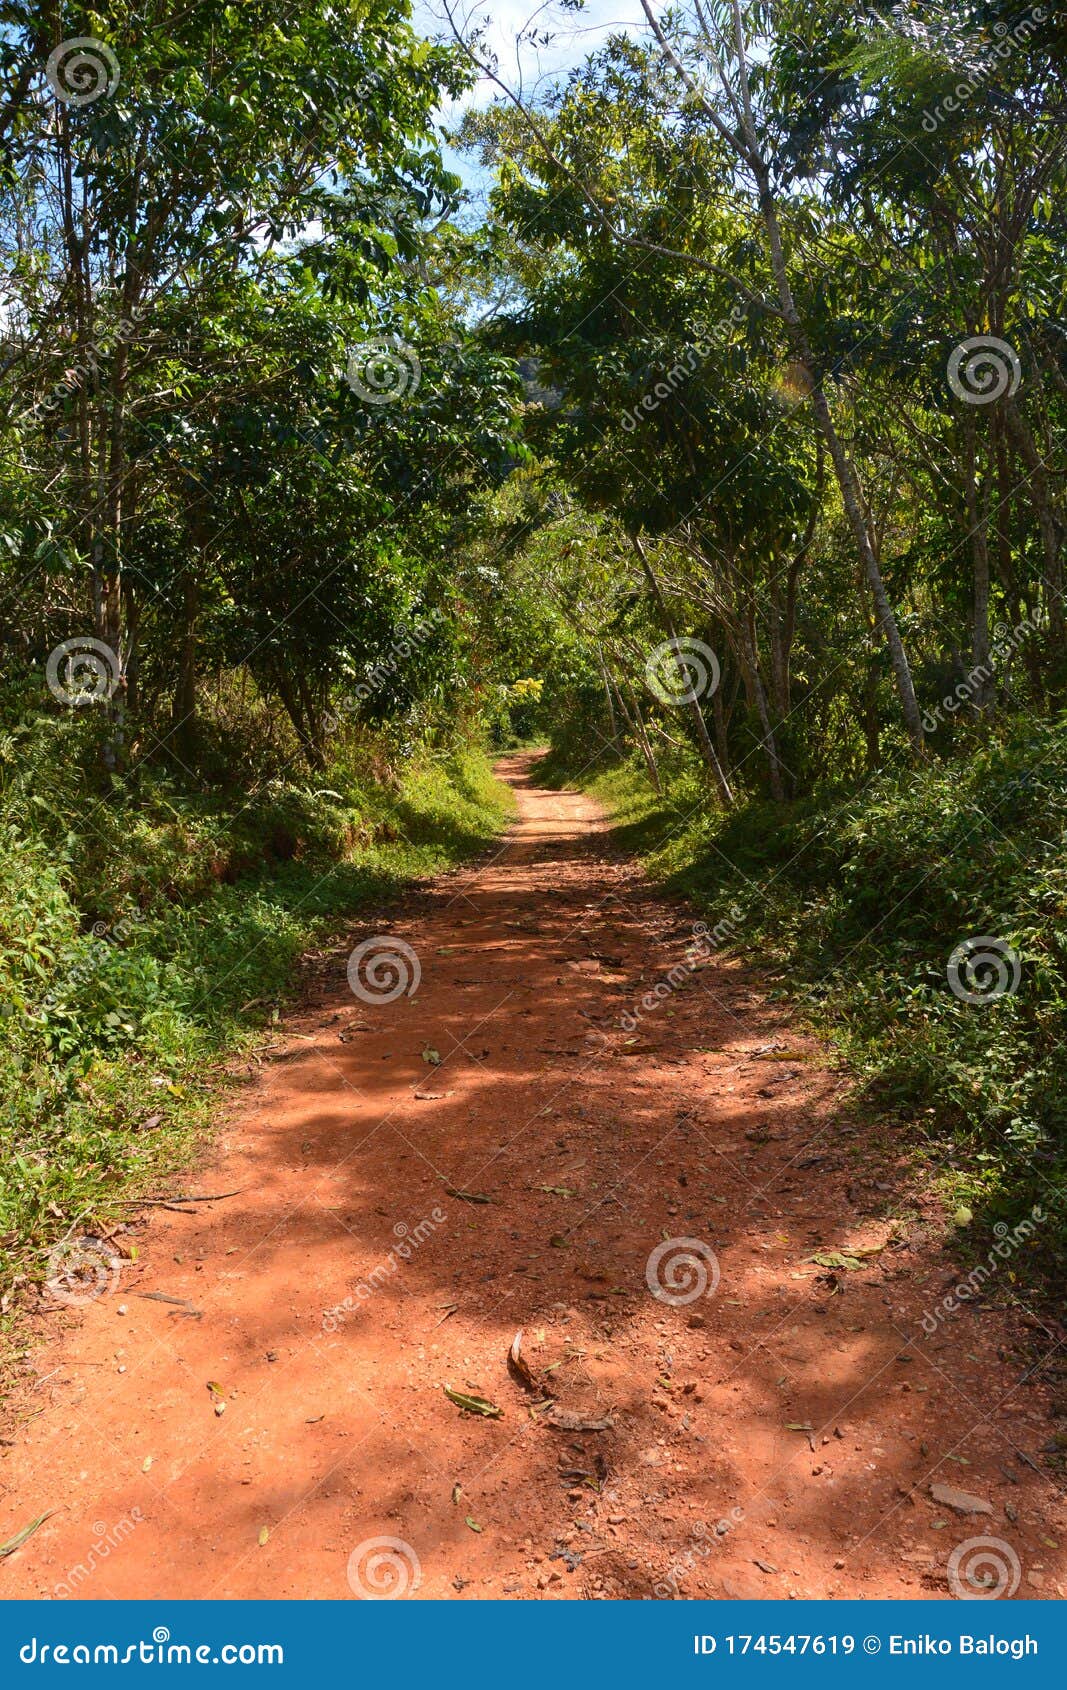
point(778, 1435)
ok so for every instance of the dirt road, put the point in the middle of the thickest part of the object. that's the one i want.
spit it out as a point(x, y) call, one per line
point(259, 1397)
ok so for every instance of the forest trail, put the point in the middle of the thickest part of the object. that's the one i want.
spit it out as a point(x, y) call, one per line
point(779, 1435)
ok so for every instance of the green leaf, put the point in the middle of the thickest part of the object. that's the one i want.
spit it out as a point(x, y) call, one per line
point(473, 1404)
point(19, 1538)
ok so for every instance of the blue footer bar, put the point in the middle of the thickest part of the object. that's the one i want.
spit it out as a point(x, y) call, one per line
point(549, 1644)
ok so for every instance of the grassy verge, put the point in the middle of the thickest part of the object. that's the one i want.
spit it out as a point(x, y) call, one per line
point(855, 903)
point(144, 940)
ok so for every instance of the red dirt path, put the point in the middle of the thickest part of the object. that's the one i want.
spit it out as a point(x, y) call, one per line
point(710, 1120)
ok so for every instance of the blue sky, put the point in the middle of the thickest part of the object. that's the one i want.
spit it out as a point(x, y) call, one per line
point(575, 35)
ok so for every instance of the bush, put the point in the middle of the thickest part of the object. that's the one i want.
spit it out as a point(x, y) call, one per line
point(146, 932)
point(859, 902)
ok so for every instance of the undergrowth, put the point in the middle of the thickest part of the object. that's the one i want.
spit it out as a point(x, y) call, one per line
point(148, 928)
point(855, 903)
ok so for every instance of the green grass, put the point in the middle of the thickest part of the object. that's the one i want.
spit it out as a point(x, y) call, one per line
point(144, 938)
point(854, 903)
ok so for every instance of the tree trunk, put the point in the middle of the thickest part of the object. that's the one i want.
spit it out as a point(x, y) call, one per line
point(637, 726)
point(844, 470)
point(608, 698)
point(977, 503)
point(1041, 499)
point(183, 710)
point(692, 704)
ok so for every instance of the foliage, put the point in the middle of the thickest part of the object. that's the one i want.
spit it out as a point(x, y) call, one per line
point(855, 902)
point(144, 941)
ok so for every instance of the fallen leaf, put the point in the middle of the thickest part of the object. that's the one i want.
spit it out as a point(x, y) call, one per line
point(264, 1534)
point(433, 1057)
point(19, 1538)
point(182, 1303)
point(784, 1056)
point(473, 1404)
point(764, 1566)
point(520, 1368)
point(457, 1492)
point(567, 1420)
point(852, 1258)
point(466, 1196)
point(473, 1524)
